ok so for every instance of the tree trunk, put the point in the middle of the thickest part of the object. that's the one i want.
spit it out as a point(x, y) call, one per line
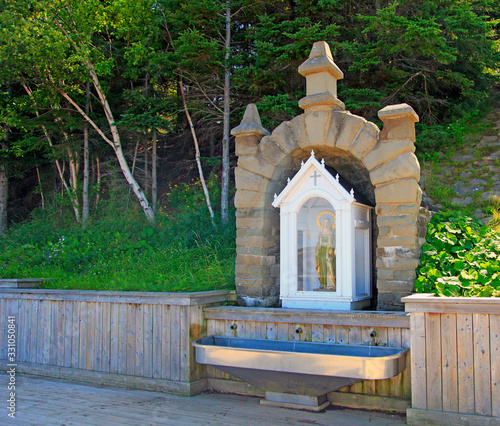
point(139, 193)
point(197, 153)
point(4, 193)
point(86, 160)
point(73, 182)
point(154, 174)
point(41, 188)
point(73, 196)
point(225, 135)
point(98, 181)
point(115, 143)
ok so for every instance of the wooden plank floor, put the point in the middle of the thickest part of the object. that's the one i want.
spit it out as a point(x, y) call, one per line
point(42, 401)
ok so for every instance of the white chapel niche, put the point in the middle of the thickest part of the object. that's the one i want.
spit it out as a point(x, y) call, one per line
point(325, 238)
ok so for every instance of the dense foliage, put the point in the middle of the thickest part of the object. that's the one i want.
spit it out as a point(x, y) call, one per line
point(114, 69)
point(120, 251)
point(93, 123)
point(460, 258)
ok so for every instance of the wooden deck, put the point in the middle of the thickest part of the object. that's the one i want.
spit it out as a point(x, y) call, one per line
point(42, 401)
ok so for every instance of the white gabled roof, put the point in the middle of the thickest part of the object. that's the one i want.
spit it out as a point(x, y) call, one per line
point(315, 170)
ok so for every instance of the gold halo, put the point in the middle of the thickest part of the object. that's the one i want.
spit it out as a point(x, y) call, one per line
point(325, 212)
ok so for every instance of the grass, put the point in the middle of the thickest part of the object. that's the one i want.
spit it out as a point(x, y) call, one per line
point(120, 251)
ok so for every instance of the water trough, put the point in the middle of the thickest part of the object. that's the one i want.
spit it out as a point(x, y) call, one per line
point(299, 374)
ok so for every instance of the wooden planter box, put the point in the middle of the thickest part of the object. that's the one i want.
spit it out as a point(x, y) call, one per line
point(134, 339)
point(23, 282)
point(455, 360)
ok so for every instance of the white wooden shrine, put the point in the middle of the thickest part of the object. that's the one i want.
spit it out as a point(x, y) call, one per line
point(325, 238)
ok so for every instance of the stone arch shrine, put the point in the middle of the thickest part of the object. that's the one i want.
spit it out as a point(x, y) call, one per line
point(361, 180)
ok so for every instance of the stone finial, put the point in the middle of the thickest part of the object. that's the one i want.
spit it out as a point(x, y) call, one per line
point(399, 122)
point(250, 124)
point(321, 75)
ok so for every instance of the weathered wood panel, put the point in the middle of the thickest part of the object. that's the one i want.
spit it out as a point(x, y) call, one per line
point(449, 362)
point(482, 367)
point(460, 359)
point(418, 365)
point(126, 334)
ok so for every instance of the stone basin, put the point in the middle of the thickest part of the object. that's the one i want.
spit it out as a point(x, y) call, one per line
point(306, 370)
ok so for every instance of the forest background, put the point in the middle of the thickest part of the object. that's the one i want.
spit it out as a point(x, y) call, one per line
point(116, 160)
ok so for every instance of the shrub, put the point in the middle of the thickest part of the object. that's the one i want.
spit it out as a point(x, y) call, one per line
point(460, 258)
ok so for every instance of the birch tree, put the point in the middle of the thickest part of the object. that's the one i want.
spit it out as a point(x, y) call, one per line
point(64, 44)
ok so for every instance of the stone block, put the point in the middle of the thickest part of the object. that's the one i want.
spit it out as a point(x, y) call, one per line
point(249, 180)
point(242, 271)
point(298, 129)
point(385, 151)
point(394, 287)
point(263, 231)
point(390, 302)
point(385, 274)
point(398, 128)
point(393, 220)
point(241, 213)
point(321, 82)
point(409, 275)
point(402, 167)
point(250, 222)
point(264, 251)
point(399, 252)
point(247, 144)
point(365, 140)
point(246, 199)
point(254, 241)
point(397, 263)
point(407, 209)
point(399, 122)
point(284, 137)
point(405, 230)
point(382, 209)
point(316, 124)
point(257, 164)
point(271, 151)
point(321, 101)
point(351, 126)
point(403, 191)
point(260, 272)
point(336, 120)
point(383, 231)
point(258, 285)
point(397, 241)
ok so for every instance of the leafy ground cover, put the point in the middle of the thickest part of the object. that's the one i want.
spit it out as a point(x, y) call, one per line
point(461, 258)
point(119, 250)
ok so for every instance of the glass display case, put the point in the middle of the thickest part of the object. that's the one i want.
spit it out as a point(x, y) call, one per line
point(325, 242)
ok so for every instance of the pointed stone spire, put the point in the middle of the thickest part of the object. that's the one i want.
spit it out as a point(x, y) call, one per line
point(250, 124)
point(321, 75)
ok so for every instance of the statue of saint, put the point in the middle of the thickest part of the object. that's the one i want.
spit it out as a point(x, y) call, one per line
point(325, 257)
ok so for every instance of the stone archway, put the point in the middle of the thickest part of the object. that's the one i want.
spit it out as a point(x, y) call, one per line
point(382, 161)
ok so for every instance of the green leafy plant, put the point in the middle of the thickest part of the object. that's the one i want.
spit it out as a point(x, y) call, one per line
point(460, 258)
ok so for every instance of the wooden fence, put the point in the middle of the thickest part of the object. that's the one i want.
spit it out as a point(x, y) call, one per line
point(455, 360)
point(127, 338)
point(357, 327)
point(143, 340)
